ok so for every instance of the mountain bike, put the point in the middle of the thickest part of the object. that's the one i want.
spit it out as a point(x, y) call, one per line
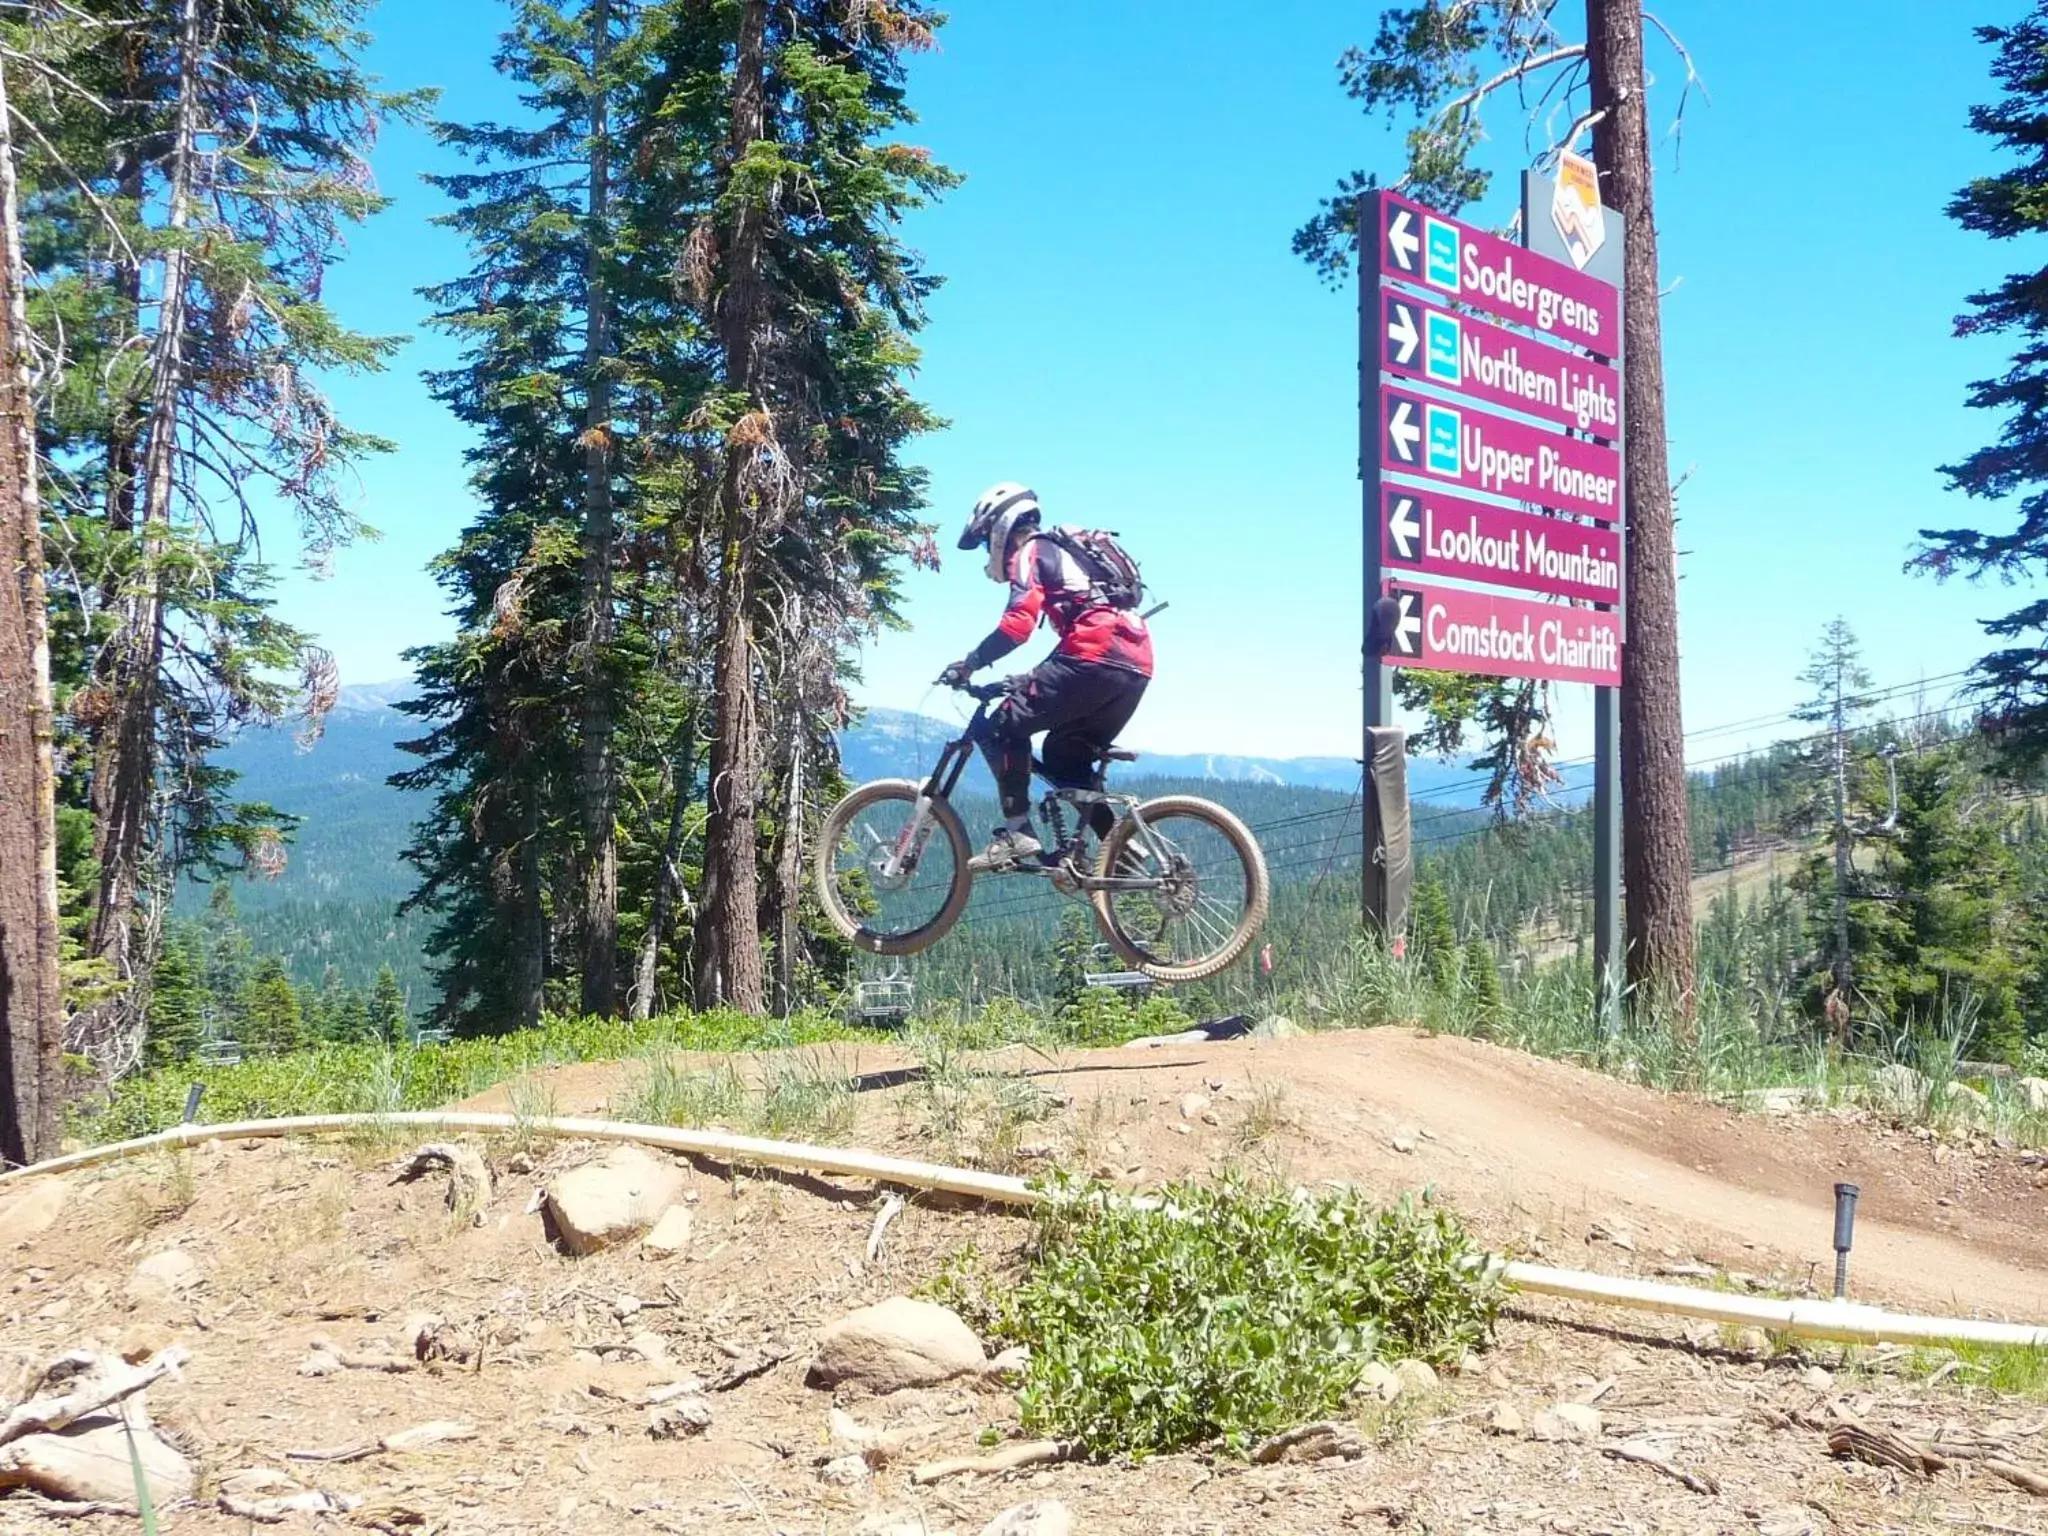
point(1178, 884)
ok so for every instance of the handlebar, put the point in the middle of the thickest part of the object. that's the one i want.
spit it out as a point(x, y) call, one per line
point(985, 692)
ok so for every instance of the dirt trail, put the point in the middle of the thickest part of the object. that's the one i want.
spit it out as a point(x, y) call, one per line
point(1528, 1149)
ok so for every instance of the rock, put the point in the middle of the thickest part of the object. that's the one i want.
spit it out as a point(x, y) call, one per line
point(649, 1346)
point(1275, 1027)
point(164, 1274)
point(1567, 1421)
point(2033, 1092)
point(1181, 1128)
point(1609, 1230)
point(671, 1234)
point(1416, 1376)
point(1311, 1442)
point(612, 1199)
point(321, 1362)
point(679, 1418)
point(1010, 1363)
point(1787, 1520)
point(1034, 1151)
point(1505, 1419)
point(1380, 1380)
point(89, 1464)
point(895, 1344)
point(139, 1342)
point(29, 1214)
point(469, 1177)
point(1192, 1105)
point(1899, 1088)
point(1774, 1101)
point(1817, 1379)
point(1967, 1102)
point(844, 1472)
point(1404, 1144)
point(1041, 1517)
point(1753, 1341)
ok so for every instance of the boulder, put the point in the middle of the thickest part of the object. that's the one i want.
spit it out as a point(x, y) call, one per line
point(617, 1197)
point(1416, 1376)
point(1041, 1517)
point(1967, 1102)
point(1277, 1027)
point(164, 1274)
point(26, 1216)
point(2033, 1092)
point(671, 1234)
point(1899, 1088)
point(1567, 1421)
point(895, 1344)
point(88, 1464)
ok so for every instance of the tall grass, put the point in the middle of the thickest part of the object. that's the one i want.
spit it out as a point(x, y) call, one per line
point(381, 1079)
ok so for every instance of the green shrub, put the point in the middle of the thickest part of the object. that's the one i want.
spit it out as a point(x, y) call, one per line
point(1230, 1314)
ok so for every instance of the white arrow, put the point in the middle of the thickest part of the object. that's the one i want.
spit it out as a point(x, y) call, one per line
point(1401, 332)
point(1408, 628)
point(1403, 244)
point(1402, 525)
point(1403, 433)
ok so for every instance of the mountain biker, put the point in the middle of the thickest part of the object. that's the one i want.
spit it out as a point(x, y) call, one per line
point(1080, 696)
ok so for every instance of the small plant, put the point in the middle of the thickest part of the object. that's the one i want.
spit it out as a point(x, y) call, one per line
point(1270, 1112)
point(1227, 1314)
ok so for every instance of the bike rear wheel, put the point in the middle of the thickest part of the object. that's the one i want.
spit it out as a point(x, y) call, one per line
point(1212, 896)
point(913, 908)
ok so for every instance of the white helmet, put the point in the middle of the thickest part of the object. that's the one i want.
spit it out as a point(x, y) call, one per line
point(995, 517)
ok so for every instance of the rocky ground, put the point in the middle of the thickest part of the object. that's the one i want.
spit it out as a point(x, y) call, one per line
point(556, 1338)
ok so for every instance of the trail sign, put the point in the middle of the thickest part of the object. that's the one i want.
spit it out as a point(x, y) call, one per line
point(1433, 534)
point(1419, 341)
point(1483, 452)
point(1449, 629)
point(1483, 270)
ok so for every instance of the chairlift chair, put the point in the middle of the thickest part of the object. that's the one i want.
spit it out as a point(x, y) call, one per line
point(883, 1000)
point(1136, 983)
point(224, 1051)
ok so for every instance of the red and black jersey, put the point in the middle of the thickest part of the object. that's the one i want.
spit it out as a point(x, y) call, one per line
point(1047, 584)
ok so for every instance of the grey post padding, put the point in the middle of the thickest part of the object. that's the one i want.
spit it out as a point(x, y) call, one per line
point(1390, 867)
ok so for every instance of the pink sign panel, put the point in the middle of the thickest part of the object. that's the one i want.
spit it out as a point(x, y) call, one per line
point(1448, 629)
point(1483, 361)
point(1496, 275)
point(1436, 535)
point(1480, 452)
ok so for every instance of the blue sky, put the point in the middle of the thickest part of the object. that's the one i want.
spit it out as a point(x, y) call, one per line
point(1125, 328)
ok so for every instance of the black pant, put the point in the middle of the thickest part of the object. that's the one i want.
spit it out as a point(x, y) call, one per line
point(1080, 706)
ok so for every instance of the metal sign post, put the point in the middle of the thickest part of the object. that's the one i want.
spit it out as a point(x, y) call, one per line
point(1564, 238)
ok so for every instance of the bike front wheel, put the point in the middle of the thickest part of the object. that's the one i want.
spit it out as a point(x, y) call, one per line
point(891, 867)
point(1207, 895)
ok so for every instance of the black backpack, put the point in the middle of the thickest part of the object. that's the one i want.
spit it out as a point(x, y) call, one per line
point(1112, 574)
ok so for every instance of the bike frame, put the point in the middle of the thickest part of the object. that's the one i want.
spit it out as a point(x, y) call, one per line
point(945, 778)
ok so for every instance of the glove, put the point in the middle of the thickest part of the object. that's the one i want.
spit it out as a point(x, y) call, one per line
point(956, 675)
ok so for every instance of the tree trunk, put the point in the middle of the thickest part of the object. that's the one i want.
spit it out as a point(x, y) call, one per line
point(787, 890)
point(1842, 850)
point(1657, 841)
point(124, 763)
point(728, 942)
point(31, 1011)
point(530, 921)
point(595, 767)
point(668, 880)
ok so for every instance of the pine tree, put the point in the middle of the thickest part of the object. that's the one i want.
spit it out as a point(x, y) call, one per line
point(1840, 682)
point(1434, 939)
point(1482, 981)
point(2012, 679)
point(184, 222)
point(388, 1017)
point(176, 1013)
point(272, 1023)
point(1951, 941)
point(1070, 957)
